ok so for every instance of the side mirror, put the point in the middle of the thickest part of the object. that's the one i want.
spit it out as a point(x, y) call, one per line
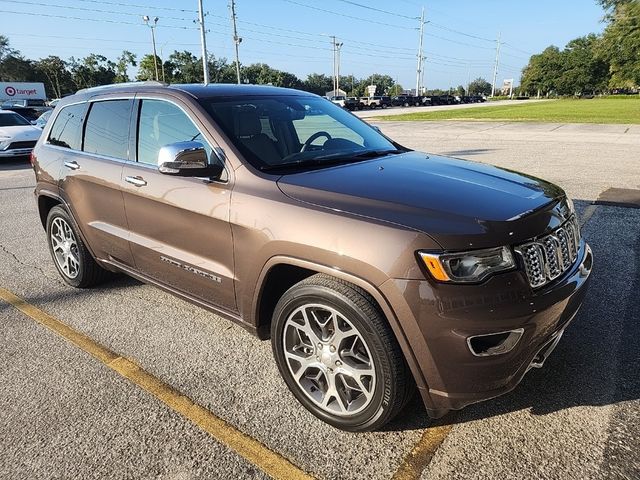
point(186, 159)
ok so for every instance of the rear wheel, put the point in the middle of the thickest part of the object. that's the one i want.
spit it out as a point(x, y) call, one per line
point(70, 255)
point(338, 355)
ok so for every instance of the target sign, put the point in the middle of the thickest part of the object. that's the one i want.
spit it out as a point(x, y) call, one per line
point(10, 91)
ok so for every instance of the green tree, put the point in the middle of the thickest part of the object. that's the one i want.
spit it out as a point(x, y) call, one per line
point(147, 69)
point(460, 90)
point(480, 87)
point(125, 60)
point(382, 82)
point(582, 70)
point(620, 45)
point(92, 70)
point(185, 67)
point(54, 73)
point(319, 83)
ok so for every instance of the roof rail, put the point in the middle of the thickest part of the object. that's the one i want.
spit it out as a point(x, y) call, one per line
point(124, 84)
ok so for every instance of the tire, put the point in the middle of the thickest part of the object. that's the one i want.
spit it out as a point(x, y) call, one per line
point(71, 257)
point(354, 375)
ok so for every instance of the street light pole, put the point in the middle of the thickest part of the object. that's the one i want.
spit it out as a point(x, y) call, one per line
point(338, 47)
point(153, 41)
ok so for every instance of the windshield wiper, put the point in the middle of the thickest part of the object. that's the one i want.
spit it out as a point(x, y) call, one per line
point(333, 159)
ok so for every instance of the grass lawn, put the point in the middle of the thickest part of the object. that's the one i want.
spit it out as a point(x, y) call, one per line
point(597, 110)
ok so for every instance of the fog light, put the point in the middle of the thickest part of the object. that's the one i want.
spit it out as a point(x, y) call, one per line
point(494, 343)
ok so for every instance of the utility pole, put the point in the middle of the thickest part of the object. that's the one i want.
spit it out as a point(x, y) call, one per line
point(153, 41)
point(495, 68)
point(468, 78)
point(203, 41)
point(236, 38)
point(420, 55)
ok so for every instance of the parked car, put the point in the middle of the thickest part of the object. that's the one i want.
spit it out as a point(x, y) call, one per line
point(478, 99)
point(30, 113)
point(405, 101)
point(353, 103)
point(340, 101)
point(42, 119)
point(372, 268)
point(377, 102)
point(17, 135)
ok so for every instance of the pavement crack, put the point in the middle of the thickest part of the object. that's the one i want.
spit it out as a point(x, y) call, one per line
point(4, 249)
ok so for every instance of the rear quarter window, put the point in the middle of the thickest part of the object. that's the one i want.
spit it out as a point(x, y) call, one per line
point(66, 130)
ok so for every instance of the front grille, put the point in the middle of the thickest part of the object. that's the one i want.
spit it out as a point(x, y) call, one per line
point(548, 257)
point(17, 145)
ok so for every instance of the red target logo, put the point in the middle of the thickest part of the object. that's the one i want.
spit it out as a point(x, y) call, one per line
point(10, 91)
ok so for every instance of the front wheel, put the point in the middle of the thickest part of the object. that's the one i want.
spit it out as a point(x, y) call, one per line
point(338, 355)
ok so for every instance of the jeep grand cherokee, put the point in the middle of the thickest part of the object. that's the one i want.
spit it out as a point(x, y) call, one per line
point(374, 269)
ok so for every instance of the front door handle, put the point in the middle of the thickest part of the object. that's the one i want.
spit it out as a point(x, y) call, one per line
point(137, 181)
point(73, 165)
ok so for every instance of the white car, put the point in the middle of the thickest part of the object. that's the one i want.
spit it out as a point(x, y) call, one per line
point(17, 135)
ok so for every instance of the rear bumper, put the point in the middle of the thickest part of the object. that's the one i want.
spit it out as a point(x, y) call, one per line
point(445, 317)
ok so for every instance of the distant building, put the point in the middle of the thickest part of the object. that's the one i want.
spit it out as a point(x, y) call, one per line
point(336, 93)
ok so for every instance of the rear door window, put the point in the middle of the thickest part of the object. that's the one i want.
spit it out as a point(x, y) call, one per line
point(107, 129)
point(67, 129)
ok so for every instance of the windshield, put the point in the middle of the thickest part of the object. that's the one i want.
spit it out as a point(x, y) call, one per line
point(12, 119)
point(279, 133)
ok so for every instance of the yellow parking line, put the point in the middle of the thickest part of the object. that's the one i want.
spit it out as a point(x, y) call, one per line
point(418, 459)
point(270, 462)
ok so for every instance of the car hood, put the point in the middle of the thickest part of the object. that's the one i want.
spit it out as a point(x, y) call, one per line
point(20, 132)
point(459, 203)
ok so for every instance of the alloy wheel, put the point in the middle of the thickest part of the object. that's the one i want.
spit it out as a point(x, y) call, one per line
point(329, 359)
point(65, 247)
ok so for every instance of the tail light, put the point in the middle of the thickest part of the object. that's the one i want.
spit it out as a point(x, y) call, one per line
point(33, 159)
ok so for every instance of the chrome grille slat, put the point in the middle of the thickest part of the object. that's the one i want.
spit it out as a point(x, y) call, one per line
point(548, 257)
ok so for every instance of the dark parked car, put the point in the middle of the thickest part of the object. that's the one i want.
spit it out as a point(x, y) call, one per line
point(405, 101)
point(353, 103)
point(374, 269)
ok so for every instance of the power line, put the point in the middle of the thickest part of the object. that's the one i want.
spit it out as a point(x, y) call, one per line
point(154, 7)
point(377, 10)
point(93, 10)
point(100, 20)
point(345, 16)
point(442, 27)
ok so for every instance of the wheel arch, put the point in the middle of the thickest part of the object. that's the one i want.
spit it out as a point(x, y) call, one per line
point(284, 272)
point(46, 201)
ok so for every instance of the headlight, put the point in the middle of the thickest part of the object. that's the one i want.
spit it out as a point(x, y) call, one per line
point(4, 142)
point(468, 267)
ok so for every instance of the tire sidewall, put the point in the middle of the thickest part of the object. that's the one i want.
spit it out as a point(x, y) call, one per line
point(383, 392)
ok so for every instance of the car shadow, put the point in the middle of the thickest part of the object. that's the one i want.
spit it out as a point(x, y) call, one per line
point(18, 163)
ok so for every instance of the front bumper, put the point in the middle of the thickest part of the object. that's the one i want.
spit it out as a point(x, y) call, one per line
point(15, 152)
point(443, 317)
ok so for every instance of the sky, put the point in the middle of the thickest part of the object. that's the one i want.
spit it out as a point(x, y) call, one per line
point(460, 37)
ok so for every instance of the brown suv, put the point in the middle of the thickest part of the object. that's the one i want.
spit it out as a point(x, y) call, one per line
point(372, 268)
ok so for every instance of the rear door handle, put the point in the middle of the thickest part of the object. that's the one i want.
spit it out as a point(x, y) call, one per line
point(137, 181)
point(73, 165)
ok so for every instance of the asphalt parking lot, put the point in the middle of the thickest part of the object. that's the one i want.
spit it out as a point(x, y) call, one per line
point(66, 414)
